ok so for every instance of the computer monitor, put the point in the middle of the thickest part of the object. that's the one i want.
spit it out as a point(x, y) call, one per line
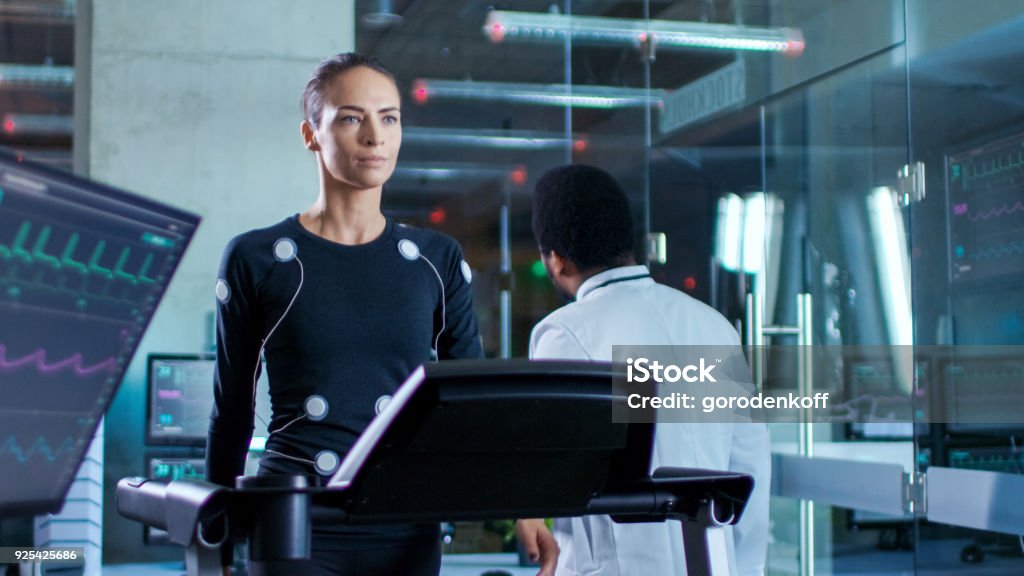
point(985, 194)
point(83, 267)
point(877, 381)
point(981, 392)
point(179, 396)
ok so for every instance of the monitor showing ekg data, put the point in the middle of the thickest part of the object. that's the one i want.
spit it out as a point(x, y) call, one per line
point(83, 267)
point(985, 185)
point(179, 396)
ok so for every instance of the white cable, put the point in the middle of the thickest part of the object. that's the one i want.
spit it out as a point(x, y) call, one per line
point(259, 355)
point(283, 428)
point(444, 313)
point(295, 458)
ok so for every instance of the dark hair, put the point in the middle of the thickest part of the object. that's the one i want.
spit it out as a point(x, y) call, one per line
point(313, 95)
point(582, 213)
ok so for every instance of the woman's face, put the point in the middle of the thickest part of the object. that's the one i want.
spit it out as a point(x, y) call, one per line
point(360, 128)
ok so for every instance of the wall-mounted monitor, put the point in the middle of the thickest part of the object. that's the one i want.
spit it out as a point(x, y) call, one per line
point(179, 396)
point(985, 185)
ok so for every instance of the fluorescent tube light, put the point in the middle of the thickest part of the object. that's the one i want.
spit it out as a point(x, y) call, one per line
point(503, 26)
point(19, 75)
point(536, 94)
point(729, 232)
point(498, 139)
point(890, 244)
point(37, 125)
point(436, 171)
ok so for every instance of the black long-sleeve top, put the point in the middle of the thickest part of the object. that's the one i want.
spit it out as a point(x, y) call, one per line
point(365, 317)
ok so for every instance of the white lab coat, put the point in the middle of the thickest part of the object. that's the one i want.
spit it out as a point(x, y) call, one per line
point(643, 312)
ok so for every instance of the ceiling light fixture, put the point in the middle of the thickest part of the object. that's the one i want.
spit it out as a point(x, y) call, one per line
point(382, 16)
point(37, 12)
point(496, 139)
point(503, 26)
point(436, 171)
point(38, 125)
point(443, 172)
point(14, 75)
point(605, 97)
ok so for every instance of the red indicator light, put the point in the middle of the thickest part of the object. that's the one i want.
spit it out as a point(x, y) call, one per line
point(438, 215)
point(419, 92)
point(518, 176)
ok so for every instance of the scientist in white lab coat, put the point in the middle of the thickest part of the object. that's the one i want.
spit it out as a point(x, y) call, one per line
point(583, 225)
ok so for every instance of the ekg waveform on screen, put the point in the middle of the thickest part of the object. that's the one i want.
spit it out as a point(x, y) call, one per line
point(986, 210)
point(39, 448)
point(38, 360)
point(83, 267)
point(1004, 210)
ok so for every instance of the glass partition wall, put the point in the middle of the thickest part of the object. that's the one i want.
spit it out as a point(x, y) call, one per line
point(842, 174)
point(966, 134)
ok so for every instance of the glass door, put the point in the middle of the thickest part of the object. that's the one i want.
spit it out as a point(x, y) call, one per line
point(837, 274)
point(791, 181)
point(967, 140)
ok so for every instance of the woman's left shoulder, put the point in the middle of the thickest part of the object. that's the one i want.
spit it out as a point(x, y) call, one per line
point(427, 239)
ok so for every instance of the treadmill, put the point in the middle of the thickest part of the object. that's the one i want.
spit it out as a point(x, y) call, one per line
point(461, 440)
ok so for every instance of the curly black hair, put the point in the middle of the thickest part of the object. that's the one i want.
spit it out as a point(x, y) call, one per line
point(582, 213)
point(313, 95)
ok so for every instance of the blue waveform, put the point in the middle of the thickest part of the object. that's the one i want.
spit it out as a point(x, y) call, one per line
point(38, 448)
point(999, 251)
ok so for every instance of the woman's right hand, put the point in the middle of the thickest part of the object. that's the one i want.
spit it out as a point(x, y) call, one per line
point(539, 543)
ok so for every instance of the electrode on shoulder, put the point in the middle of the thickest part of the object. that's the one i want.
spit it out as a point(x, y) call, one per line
point(408, 249)
point(285, 249)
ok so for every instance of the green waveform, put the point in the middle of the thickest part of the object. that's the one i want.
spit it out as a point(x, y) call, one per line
point(13, 288)
point(986, 168)
point(38, 255)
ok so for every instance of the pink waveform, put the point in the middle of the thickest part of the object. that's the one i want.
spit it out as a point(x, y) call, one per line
point(39, 359)
point(1001, 211)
